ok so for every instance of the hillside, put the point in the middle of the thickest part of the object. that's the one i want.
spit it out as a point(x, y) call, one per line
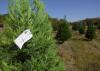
point(86, 21)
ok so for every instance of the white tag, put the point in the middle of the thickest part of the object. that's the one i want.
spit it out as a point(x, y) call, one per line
point(22, 38)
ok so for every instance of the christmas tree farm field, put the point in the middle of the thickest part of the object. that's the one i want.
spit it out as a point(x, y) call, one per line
point(79, 54)
point(30, 40)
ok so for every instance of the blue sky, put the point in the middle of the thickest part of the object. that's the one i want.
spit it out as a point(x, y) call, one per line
point(73, 9)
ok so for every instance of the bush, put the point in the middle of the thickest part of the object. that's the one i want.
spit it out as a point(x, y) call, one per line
point(39, 53)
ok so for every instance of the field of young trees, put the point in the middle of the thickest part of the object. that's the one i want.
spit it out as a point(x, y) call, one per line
point(81, 52)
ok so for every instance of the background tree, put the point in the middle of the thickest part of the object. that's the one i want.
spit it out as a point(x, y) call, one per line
point(81, 28)
point(64, 32)
point(91, 32)
point(39, 53)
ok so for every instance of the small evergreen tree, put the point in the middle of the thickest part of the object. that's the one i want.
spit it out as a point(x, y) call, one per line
point(64, 32)
point(81, 28)
point(39, 53)
point(91, 32)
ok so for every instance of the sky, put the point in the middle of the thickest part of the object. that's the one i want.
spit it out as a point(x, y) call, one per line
point(74, 10)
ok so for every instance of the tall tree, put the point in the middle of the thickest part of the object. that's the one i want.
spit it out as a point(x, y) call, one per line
point(38, 54)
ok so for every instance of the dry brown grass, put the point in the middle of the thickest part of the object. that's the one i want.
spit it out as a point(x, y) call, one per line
point(81, 55)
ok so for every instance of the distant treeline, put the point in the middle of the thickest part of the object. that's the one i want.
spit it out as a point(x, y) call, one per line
point(94, 21)
point(55, 21)
point(87, 21)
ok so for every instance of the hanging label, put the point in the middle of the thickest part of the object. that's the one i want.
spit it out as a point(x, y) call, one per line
point(23, 38)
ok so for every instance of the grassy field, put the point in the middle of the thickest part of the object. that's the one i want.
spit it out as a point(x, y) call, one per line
point(79, 54)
